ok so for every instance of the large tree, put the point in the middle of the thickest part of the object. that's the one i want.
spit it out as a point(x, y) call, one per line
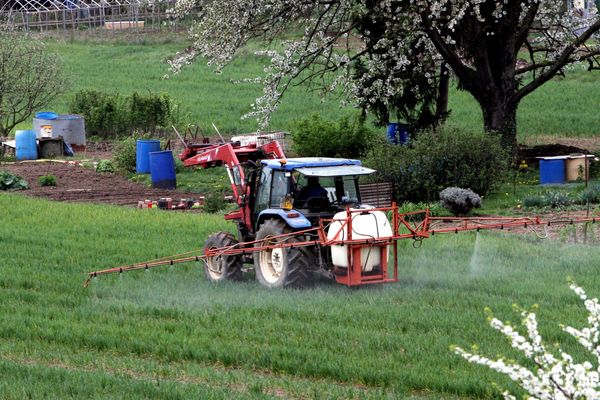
point(389, 55)
point(30, 78)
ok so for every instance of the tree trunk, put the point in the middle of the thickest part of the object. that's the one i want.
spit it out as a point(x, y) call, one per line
point(501, 118)
point(441, 107)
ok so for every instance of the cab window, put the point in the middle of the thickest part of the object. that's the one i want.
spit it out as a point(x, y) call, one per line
point(279, 187)
point(262, 197)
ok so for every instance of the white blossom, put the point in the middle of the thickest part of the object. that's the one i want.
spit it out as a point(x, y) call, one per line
point(332, 41)
point(554, 377)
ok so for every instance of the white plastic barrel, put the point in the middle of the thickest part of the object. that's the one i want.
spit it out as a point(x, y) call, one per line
point(365, 225)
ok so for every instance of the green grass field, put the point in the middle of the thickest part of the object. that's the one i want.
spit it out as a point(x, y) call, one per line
point(170, 334)
point(562, 108)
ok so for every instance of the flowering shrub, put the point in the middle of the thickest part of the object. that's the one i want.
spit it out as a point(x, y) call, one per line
point(553, 377)
point(459, 201)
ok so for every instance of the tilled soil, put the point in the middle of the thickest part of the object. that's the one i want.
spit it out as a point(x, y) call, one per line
point(75, 183)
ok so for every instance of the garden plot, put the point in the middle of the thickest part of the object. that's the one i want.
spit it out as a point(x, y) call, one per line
point(75, 183)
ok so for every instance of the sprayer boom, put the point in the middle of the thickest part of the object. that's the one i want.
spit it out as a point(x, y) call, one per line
point(344, 233)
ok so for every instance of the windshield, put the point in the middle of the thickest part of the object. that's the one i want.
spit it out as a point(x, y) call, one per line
point(336, 190)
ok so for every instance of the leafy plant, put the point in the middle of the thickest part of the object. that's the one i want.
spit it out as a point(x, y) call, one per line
point(105, 166)
point(215, 203)
point(47, 180)
point(535, 201)
point(558, 199)
point(179, 167)
point(553, 199)
point(124, 155)
point(459, 201)
point(434, 208)
point(9, 181)
point(315, 136)
point(591, 194)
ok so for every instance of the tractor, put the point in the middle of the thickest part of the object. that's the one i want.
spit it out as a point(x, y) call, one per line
point(278, 197)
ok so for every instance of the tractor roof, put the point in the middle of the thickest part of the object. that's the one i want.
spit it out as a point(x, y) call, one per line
point(291, 164)
point(315, 166)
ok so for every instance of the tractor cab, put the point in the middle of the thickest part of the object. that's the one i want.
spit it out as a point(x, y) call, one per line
point(302, 190)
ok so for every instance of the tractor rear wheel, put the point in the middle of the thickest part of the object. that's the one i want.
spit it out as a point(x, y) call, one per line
point(283, 267)
point(222, 267)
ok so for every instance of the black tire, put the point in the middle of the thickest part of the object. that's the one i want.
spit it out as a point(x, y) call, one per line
point(281, 268)
point(219, 268)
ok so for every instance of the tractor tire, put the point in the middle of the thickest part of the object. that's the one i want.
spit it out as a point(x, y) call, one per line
point(281, 268)
point(219, 268)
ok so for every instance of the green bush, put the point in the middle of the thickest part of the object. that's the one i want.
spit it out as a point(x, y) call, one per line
point(147, 113)
point(110, 115)
point(535, 201)
point(105, 166)
point(105, 114)
point(179, 167)
point(318, 137)
point(435, 161)
point(215, 202)
point(558, 199)
point(47, 180)
point(590, 194)
point(553, 199)
point(124, 154)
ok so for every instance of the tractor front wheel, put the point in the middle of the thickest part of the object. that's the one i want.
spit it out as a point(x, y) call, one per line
point(221, 267)
point(280, 267)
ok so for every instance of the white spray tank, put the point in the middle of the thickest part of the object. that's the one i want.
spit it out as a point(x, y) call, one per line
point(366, 224)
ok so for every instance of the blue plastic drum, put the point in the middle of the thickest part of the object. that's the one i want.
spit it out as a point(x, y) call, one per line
point(142, 158)
point(552, 171)
point(397, 133)
point(26, 145)
point(162, 170)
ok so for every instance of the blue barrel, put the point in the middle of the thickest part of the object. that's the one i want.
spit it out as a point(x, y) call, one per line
point(162, 169)
point(142, 160)
point(26, 145)
point(552, 171)
point(397, 133)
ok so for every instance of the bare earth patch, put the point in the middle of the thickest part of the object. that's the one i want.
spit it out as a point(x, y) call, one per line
point(75, 183)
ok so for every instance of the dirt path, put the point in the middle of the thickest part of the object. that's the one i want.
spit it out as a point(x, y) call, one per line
point(75, 183)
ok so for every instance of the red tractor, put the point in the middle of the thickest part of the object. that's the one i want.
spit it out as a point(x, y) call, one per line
point(279, 200)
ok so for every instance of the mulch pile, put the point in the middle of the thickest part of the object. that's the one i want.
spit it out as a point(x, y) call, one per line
point(529, 153)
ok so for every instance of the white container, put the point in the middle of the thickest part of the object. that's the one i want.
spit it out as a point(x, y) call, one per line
point(244, 140)
point(70, 127)
point(365, 225)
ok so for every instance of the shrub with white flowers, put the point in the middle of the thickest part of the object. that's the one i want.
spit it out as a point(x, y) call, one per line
point(554, 377)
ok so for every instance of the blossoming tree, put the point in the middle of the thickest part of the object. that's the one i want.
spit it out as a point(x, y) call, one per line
point(391, 55)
